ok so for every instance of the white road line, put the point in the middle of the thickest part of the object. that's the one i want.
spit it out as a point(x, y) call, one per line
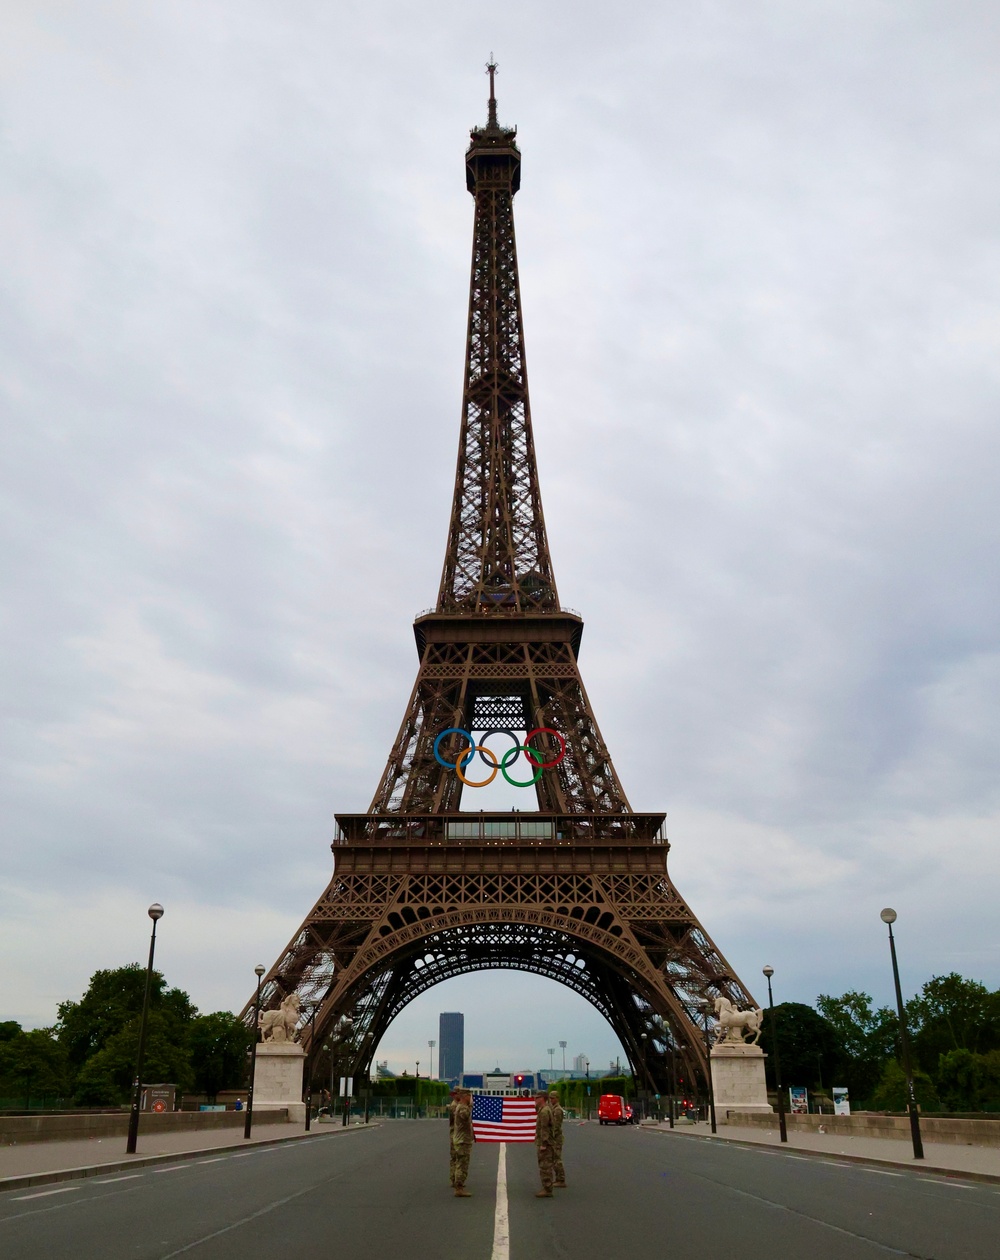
point(218, 1160)
point(172, 1168)
point(109, 1181)
point(881, 1172)
point(41, 1194)
point(805, 1158)
point(501, 1225)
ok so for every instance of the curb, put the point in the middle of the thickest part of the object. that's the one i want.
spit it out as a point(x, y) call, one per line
point(913, 1166)
point(28, 1180)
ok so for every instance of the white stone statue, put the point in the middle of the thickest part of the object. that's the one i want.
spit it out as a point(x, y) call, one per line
point(280, 1025)
point(735, 1025)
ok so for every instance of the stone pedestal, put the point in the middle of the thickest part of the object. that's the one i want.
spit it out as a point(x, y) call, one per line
point(277, 1079)
point(738, 1078)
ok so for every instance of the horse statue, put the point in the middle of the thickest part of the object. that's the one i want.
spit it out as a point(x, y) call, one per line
point(279, 1025)
point(736, 1025)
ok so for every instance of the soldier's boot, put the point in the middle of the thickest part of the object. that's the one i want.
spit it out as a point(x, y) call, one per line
point(544, 1194)
point(462, 1193)
point(559, 1185)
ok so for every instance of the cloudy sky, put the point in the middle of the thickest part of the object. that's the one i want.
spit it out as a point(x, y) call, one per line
point(760, 267)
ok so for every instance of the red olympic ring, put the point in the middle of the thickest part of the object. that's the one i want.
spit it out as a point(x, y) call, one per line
point(547, 730)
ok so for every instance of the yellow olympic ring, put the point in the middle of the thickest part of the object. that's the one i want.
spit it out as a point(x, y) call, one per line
point(484, 752)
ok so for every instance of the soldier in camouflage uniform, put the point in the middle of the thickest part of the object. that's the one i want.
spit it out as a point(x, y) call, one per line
point(557, 1141)
point(543, 1146)
point(462, 1138)
point(452, 1104)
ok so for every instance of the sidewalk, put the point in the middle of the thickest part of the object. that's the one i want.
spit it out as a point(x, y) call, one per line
point(40, 1163)
point(982, 1163)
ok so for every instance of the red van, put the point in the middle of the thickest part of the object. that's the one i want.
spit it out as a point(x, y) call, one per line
point(612, 1109)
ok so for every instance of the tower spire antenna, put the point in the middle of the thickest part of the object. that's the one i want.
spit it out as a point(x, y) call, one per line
point(491, 69)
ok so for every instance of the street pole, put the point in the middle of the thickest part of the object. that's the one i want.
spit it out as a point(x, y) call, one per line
point(248, 1122)
point(709, 1007)
point(562, 1047)
point(888, 917)
point(155, 912)
point(586, 1065)
point(668, 1044)
point(673, 1076)
point(550, 1053)
point(430, 1046)
point(783, 1128)
point(309, 1069)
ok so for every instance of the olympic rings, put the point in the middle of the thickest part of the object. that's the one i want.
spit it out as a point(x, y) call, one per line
point(488, 757)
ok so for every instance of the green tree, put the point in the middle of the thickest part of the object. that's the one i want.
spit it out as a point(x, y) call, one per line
point(33, 1065)
point(113, 999)
point(100, 1035)
point(810, 1050)
point(867, 1037)
point(219, 1044)
point(105, 1080)
point(952, 1013)
point(891, 1093)
point(969, 1082)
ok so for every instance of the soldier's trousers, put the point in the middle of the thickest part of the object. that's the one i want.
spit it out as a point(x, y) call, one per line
point(461, 1153)
point(546, 1163)
point(558, 1172)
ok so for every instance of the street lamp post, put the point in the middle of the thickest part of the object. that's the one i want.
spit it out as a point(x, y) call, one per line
point(431, 1045)
point(783, 1128)
point(155, 912)
point(673, 1075)
point(562, 1047)
point(888, 917)
point(708, 1007)
point(248, 1122)
point(644, 1042)
point(309, 1068)
point(338, 1059)
point(550, 1053)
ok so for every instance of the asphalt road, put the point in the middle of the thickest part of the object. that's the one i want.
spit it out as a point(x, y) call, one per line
point(381, 1192)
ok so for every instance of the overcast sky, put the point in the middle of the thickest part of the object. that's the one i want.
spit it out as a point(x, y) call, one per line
point(760, 268)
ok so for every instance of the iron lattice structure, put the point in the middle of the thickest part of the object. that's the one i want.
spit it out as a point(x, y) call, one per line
point(579, 891)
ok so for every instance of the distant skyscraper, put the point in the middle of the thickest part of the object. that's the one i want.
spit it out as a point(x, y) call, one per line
point(451, 1039)
point(580, 1063)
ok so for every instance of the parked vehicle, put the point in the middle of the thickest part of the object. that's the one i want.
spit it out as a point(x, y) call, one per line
point(613, 1109)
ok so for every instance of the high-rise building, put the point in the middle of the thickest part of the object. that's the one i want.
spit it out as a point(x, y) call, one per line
point(580, 1063)
point(451, 1039)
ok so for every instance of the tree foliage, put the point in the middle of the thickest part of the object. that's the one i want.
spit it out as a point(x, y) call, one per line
point(112, 1001)
point(952, 1013)
point(867, 1035)
point(891, 1093)
point(219, 1045)
point(810, 1051)
point(32, 1064)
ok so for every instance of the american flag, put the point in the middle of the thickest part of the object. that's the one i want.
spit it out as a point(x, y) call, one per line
point(498, 1119)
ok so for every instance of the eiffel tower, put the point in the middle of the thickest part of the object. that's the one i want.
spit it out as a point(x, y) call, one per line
point(577, 891)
